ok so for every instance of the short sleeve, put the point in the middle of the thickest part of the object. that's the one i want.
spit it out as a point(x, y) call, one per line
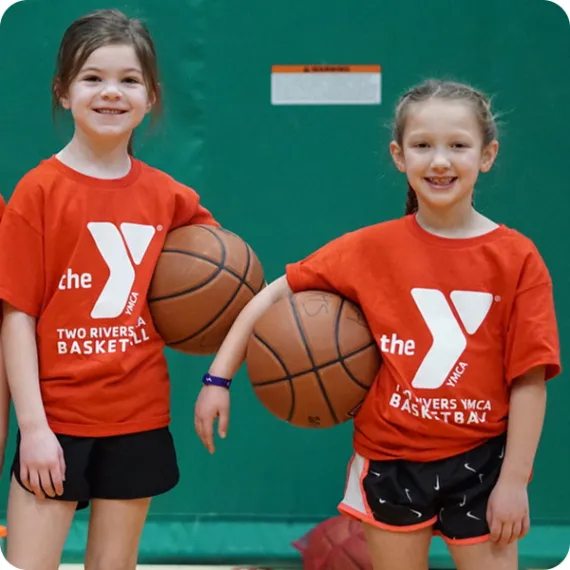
point(327, 269)
point(532, 335)
point(22, 270)
point(188, 209)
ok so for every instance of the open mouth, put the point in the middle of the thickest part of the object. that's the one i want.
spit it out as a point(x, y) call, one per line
point(109, 111)
point(442, 182)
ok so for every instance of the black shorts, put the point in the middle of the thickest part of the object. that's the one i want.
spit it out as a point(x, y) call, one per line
point(450, 495)
point(132, 466)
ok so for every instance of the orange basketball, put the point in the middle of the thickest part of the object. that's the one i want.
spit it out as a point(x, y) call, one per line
point(312, 358)
point(204, 277)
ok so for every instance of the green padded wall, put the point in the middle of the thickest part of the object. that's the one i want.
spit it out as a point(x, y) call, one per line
point(288, 179)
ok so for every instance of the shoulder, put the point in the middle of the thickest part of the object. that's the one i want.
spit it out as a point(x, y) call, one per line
point(166, 181)
point(33, 185)
point(522, 253)
point(517, 244)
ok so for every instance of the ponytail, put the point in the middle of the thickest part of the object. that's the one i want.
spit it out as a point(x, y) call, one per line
point(411, 201)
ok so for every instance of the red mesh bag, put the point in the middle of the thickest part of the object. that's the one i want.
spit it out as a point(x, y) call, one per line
point(335, 544)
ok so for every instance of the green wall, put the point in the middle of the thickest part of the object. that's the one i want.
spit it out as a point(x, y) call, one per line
point(289, 179)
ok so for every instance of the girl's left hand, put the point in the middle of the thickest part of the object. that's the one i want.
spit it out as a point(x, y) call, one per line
point(508, 512)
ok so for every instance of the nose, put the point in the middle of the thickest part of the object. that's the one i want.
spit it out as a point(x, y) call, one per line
point(440, 161)
point(111, 92)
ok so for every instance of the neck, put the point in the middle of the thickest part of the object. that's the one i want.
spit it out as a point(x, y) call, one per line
point(456, 221)
point(98, 158)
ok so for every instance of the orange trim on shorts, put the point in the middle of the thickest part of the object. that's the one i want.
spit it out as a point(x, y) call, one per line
point(369, 519)
point(463, 541)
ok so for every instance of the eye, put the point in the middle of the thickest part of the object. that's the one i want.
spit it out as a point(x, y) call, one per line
point(91, 78)
point(420, 145)
point(459, 145)
point(131, 80)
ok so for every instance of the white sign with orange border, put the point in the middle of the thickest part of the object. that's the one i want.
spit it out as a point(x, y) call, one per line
point(326, 84)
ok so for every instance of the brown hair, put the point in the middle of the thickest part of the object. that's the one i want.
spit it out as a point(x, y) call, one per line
point(98, 29)
point(452, 91)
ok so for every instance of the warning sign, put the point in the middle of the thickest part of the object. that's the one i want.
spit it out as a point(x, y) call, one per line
point(325, 84)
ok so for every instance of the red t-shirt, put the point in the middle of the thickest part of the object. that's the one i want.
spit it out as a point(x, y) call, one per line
point(456, 320)
point(78, 253)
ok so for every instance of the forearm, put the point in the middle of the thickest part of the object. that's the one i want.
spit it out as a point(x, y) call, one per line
point(4, 401)
point(21, 361)
point(526, 420)
point(233, 350)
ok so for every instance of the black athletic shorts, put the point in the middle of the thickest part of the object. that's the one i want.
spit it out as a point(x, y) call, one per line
point(132, 466)
point(450, 495)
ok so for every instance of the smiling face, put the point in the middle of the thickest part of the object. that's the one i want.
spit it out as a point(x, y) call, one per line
point(442, 152)
point(108, 97)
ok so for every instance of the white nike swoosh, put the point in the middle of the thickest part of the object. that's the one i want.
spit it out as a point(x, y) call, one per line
point(471, 516)
point(382, 501)
point(417, 513)
point(469, 468)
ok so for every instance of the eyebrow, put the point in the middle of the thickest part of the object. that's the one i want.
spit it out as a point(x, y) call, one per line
point(128, 70)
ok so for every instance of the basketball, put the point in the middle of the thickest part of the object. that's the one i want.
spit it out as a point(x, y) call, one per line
point(337, 543)
point(204, 277)
point(312, 358)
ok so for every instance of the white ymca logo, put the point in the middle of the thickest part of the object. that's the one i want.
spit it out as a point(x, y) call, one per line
point(114, 247)
point(449, 342)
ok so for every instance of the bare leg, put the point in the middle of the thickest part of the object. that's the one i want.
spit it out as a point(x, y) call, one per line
point(487, 555)
point(38, 529)
point(115, 529)
point(398, 550)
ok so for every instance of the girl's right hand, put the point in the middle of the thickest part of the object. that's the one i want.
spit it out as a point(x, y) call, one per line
point(213, 402)
point(42, 466)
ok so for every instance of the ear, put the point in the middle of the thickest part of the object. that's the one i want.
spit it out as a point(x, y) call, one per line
point(489, 155)
point(398, 156)
point(63, 99)
point(152, 97)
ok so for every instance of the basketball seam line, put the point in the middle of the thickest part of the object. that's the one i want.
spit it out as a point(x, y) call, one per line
point(316, 372)
point(339, 360)
point(192, 289)
point(248, 262)
point(337, 344)
point(289, 377)
point(228, 303)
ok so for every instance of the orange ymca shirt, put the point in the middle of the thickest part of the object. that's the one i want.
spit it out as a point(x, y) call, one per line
point(78, 253)
point(456, 320)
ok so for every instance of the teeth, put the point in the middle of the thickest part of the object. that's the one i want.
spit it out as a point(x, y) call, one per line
point(109, 111)
point(441, 181)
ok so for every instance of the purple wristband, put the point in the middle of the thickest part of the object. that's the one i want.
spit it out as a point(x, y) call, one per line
point(210, 380)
